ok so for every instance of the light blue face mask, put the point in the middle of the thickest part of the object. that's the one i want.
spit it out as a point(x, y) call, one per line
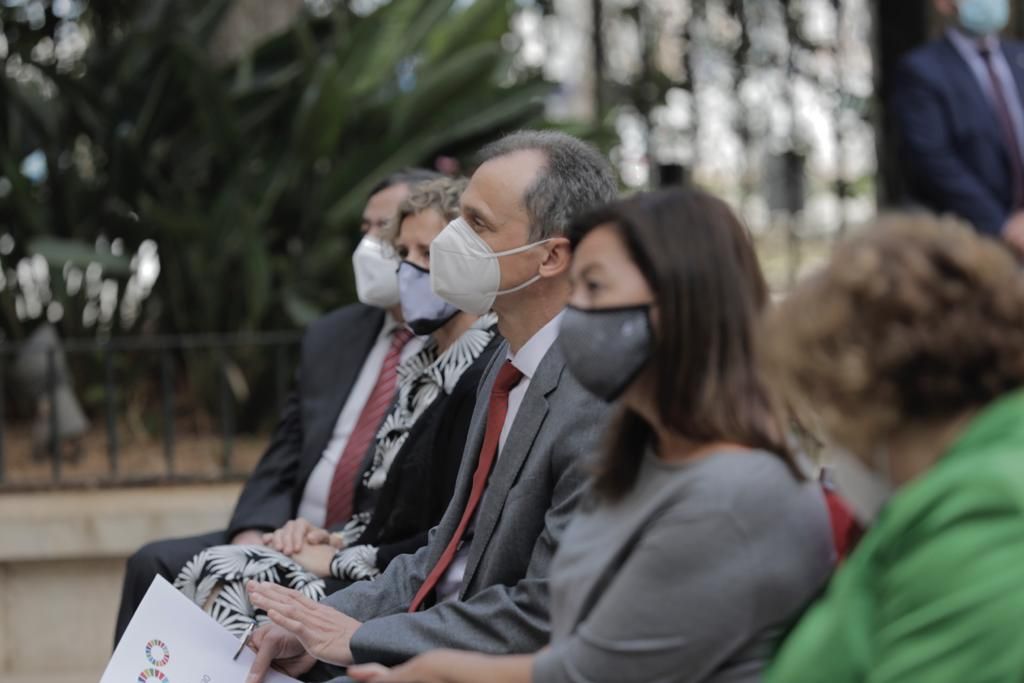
point(424, 311)
point(984, 17)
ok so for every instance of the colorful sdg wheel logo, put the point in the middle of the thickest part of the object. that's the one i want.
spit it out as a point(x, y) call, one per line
point(157, 653)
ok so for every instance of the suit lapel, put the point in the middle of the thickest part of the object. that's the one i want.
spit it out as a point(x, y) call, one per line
point(964, 81)
point(527, 424)
point(471, 452)
point(354, 344)
point(1015, 58)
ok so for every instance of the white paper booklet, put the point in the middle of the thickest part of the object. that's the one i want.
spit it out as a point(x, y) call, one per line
point(171, 640)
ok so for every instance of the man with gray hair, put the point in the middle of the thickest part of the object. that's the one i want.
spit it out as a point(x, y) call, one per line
point(481, 581)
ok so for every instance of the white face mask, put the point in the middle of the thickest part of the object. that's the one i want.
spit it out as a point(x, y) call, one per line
point(865, 488)
point(376, 272)
point(464, 270)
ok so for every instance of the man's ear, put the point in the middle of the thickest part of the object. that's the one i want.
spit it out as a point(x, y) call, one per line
point(557, 259)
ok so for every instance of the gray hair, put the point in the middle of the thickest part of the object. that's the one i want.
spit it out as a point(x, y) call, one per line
point(577, 178)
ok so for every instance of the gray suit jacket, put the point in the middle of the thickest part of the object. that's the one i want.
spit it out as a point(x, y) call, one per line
point(535, 484)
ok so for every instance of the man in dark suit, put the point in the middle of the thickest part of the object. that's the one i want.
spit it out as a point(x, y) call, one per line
point(341, 361)
point(480, 583)
point(958, 106)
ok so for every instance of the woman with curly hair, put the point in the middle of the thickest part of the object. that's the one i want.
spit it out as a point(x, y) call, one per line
point(410, 474)
point(908, 351)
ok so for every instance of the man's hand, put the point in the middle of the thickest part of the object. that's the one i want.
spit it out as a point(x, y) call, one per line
point(275, 646)
point(316, 559)
point(248, 537)
point(1013, 233)
point(324, 631)
point(290, 538)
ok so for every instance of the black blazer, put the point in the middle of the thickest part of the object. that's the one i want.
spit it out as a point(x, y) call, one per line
point(422, 476)
point(954, 153)
point(334, 349)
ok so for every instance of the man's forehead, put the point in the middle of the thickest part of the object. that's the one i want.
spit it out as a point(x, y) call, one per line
point(387, 200)
point(500, 184)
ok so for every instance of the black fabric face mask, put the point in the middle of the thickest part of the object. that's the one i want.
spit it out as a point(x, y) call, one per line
point(606, 348)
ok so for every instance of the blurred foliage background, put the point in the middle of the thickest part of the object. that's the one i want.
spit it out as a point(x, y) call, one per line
point(171, 169)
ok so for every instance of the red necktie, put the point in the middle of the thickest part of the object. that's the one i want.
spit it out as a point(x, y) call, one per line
point(497, 409)
point(1009, 130)
point(343, 483)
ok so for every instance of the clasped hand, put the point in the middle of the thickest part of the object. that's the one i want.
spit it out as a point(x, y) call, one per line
point(310, 546)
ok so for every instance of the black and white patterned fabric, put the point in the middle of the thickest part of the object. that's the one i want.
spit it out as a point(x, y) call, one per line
point(421, 379)
point(222, 571)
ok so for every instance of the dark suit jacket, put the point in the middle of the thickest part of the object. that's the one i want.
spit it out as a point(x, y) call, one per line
point(334, 349)
point(422, 476)
point(503, 603)
point(953, 148)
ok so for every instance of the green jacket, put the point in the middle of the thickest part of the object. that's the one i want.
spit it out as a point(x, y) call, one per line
point(935, 591)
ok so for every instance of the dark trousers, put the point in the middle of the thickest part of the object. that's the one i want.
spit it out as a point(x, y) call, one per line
point(160, 558)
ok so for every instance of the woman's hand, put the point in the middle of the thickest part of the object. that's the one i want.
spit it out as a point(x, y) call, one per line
point(323, 631)
point(323, 536)
point(427, 668)
point(316, 559)
point(449, 666)
point(291, 538)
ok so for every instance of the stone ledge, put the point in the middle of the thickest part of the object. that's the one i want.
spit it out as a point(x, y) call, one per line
point(109, 523)
point(61, 566)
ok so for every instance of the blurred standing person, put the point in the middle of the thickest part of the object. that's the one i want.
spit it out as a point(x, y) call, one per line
point(913, 364)
point(958, 105)
point(699, 541)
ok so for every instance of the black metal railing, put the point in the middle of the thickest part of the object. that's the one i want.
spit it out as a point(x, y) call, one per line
point(112, 374)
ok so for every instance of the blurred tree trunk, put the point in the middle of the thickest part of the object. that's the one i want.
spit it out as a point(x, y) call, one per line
point(597, 48)
point(899, 27)
point(247, 24)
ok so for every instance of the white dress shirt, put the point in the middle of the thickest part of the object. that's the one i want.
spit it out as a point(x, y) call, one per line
point(970, 50)
point(526, 361)
point(313, 505)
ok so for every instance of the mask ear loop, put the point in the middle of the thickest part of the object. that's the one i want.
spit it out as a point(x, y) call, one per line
point(519, 250)
point(517, 288)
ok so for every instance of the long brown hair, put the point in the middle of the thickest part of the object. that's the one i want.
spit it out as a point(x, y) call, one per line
point(699, 261)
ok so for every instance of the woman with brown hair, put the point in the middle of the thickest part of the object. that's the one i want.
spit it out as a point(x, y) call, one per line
point(699, 541)
point(908, 351)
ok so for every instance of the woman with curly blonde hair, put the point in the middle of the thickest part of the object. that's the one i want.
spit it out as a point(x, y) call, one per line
point(409, 473)
point(908, 352)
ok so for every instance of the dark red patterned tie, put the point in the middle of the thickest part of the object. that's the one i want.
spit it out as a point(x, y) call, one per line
point(343, 484)
point(497, 409)
point(1009, 130)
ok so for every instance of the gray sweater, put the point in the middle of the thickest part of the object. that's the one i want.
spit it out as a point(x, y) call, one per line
point(692, 577)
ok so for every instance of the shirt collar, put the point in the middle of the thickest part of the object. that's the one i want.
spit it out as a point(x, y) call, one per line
point(534, 350)
point(391, 324)
point(970, 46)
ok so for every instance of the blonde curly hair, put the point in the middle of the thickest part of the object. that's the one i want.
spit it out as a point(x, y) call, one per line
point(917, 320)
point(441, 195)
